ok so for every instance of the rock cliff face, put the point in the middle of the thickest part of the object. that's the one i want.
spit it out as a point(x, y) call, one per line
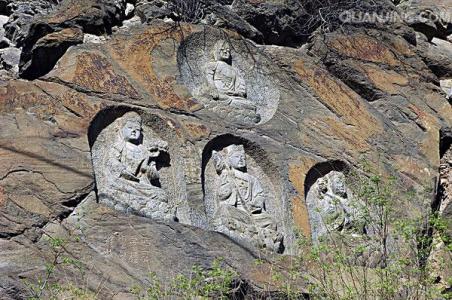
point(244, 105)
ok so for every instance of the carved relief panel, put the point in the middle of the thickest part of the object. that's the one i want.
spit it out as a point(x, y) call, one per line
point(331, 206)
point(237, 198)
point(231, 78)
point(135, 170)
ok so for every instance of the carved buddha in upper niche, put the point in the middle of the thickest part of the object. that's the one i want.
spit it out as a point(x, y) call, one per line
point(226, 83)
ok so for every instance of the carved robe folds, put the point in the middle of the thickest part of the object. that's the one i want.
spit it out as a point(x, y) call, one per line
point(226, 85)
point(128, 179)
point(241, 211)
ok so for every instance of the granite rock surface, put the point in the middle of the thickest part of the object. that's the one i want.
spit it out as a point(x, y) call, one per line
point(332, 98)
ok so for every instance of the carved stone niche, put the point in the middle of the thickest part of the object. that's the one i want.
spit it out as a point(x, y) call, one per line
point(332, 207)
point(335, 213)
point(240, 199)
point(329, 205)
point(134, 169)
point(230, 77)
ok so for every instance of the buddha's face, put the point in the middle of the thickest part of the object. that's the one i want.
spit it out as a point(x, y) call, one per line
point(132, 131)
point(237, 160)
point(224, 53)
point(338, 186)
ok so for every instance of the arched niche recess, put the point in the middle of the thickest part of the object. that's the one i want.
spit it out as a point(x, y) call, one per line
point(136, 163)
point(321, 169)
point(337, 213)
point(328, 199)
point(230, 76)
point(242, 193)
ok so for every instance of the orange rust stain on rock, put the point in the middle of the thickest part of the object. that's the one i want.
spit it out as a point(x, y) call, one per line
point(419, 112)
point(72, 111)
point(301, 216)
point(341, 100)
point(21, 94)
point(96, 73)
point(415, 171)
point(355, 139)
point(76, 110)
point(67, 34)
point(298, 171)
point(133, 54)
point(72, 9)
point(297, 176)
point(364, 47)
point(169, 99)
point(387, 81)
point(401, 45)
point(333, 94)
point(2, 196)
point(431, 126)
point(196, 130)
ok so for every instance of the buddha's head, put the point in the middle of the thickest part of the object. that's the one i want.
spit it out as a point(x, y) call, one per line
point(338, 185)
point(236, 156)
point(131, 130)
point(222, 51)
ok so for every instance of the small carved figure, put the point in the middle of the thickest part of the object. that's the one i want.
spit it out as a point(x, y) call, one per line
point(333, 197)
point(241, 202)
point(134, 161)
point(133, 167)
point(225, 83)
point(329, 206)
point(225, 80)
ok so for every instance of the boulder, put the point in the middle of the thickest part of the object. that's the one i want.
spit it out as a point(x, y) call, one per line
point(48, 50)
point(62, 28)
point(9, 59)
point(21, 14)
point(437, 56)
point(432, 18)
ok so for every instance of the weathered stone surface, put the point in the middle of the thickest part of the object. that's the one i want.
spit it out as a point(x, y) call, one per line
point(149, 10)
point(441, 254)
point(62, 28)
point(48, 50)
point(375, 74)
point(446, 85)
point(48, 148)
point(432, 18)
point(21, 14)
point(94, 17)
point(284, 22)
point(351, 95)
point(225, 17)
point(445, 208)
point(120, 251)
point(10, 58)
point(437, 56)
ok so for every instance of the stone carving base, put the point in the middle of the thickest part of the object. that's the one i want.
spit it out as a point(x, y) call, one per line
point(241, 226)
point(238, 112)
point(145, 207)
